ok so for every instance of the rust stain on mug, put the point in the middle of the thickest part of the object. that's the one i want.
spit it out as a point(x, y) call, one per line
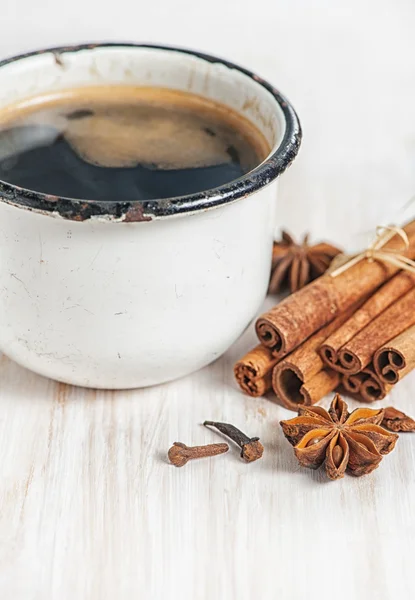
point(136, 214)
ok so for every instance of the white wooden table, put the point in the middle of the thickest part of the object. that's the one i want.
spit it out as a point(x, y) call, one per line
point(89, 508)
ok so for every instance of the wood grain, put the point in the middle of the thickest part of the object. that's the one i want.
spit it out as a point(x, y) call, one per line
point(89, 507)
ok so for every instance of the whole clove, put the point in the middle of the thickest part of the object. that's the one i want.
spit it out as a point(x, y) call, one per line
point(252, 449)
point(179, 454)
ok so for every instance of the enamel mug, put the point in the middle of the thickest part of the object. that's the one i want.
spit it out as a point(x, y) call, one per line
point(129, 294)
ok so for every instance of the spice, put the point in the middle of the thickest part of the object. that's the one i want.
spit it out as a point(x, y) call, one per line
point(311, 391)
point(179, 453)
point(382, 299)
point(396, 359)
point(253, 371)
point(366, 385)
point(252, 449)
point(358, 353)
point(301, 377)
point(395, 420)
point(339, 440)
point(294, 265)
point(294, 390)
point(299, 316)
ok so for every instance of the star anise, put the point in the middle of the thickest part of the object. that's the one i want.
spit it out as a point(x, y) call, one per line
point(294, 265)
point(339, 440)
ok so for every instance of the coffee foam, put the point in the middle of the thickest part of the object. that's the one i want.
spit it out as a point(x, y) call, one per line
point(152, 126)
point(150, 135)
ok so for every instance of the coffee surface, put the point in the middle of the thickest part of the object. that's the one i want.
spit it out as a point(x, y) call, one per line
point(124, 143)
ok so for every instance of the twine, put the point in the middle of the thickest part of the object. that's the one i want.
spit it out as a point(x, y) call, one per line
point(376, 251)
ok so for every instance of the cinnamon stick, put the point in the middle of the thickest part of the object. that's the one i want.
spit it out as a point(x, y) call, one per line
point(312, 391)
point(373, 388)
point(359, 352)
point(396, 359)
point(299, 316)
point(366, 385)
point(301, 378)
point(253, 372)
point(384, 297)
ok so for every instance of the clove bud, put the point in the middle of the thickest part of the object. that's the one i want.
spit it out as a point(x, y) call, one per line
point(252, 449)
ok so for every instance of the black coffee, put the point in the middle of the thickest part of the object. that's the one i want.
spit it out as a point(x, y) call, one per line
point(125, 143)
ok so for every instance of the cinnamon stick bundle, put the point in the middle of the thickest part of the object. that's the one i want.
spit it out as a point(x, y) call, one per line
point(384, 297)
point(396, 359)
point(301, 377)
point(358, 353)
point(366, 385)
point(253, 372)
point(299, 316)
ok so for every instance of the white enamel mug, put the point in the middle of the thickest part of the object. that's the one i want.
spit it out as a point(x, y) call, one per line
point(130, 294)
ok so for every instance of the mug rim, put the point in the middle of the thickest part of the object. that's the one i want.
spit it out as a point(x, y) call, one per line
point(147, 210)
